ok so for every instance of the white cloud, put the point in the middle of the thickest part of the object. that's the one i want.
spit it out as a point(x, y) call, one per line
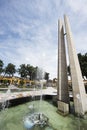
point(29, 30)
point(78, 6)
point(39, 51)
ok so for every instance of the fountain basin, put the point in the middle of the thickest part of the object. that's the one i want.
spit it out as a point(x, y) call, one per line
point(12, 118)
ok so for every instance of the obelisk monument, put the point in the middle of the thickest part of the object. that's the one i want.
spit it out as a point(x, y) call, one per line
point(79, 94)
point(63, 94)
point(78, 89)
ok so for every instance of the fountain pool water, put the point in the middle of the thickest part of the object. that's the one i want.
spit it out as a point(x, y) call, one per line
point(12, 118)
point(36, 118)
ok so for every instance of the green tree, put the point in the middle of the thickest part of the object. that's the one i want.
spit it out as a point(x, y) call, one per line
point(27, 71)
point(34, 74)
point(46, 76)
point(1, 67)
point(83, 63)
point(10, 69)
point(22, 71)
point(31, 71)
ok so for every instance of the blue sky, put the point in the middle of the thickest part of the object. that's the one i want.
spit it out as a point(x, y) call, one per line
point(29, 29)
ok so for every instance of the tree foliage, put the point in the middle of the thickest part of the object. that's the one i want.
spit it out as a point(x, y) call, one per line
point(10, 69)
point(46, 76)
point(31, 71)
point(22, 71)
point(25, 71)
point(1, 66)
point(83, 64)
point(28, 70)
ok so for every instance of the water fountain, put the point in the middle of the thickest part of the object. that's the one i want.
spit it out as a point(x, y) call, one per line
point(36, 118)
point(5, 102)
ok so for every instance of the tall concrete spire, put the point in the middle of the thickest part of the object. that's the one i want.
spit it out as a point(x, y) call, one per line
point(79, 94)
point(62, 66)
point(63, 95)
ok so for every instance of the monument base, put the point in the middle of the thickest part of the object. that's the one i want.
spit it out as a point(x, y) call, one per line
point(63, 108)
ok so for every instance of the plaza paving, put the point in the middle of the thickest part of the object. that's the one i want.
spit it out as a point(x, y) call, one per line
point(11, 96)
